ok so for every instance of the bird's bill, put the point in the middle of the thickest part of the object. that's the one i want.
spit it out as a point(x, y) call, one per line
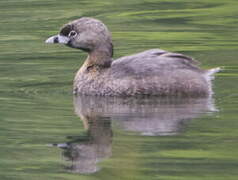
point(57, 39)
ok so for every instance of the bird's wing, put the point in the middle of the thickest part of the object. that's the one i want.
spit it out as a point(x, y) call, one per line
point(153, 62)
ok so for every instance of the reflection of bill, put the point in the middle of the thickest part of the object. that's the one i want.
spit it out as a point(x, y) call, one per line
point(148, 116)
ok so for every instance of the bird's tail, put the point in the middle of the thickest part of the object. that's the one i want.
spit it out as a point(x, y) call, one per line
point(210, 73)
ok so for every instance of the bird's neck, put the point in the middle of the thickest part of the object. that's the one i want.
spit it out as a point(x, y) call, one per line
point(99, 58)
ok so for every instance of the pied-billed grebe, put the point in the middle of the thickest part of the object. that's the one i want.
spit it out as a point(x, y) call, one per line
point(152, 72)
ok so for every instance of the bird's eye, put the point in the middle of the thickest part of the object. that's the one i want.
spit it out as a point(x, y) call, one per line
point(72, 34)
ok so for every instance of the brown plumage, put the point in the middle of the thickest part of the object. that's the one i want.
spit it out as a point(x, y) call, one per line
point(152, 72)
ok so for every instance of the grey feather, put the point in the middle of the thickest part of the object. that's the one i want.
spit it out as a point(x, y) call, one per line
point(152, 72)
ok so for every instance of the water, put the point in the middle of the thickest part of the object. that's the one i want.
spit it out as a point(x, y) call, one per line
point(115, 138)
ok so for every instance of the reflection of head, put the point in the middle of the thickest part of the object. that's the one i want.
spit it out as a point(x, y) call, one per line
point(85, 152)
point(147, 115)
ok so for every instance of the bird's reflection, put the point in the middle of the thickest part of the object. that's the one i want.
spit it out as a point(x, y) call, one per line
point(147, 116)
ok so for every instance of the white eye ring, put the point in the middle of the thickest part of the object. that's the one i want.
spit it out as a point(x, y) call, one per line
point(72, 34)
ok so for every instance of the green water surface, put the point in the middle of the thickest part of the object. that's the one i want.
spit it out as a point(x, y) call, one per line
point(112, 138)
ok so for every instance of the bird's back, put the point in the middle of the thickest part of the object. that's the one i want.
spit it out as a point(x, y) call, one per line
point(154, 62)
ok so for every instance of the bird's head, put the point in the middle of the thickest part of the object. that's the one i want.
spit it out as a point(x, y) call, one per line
point(87, 34)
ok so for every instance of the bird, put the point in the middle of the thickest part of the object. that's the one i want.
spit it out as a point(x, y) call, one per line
point(153, 72)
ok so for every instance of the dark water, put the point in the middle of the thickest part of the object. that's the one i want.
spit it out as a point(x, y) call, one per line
point(111, 138)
